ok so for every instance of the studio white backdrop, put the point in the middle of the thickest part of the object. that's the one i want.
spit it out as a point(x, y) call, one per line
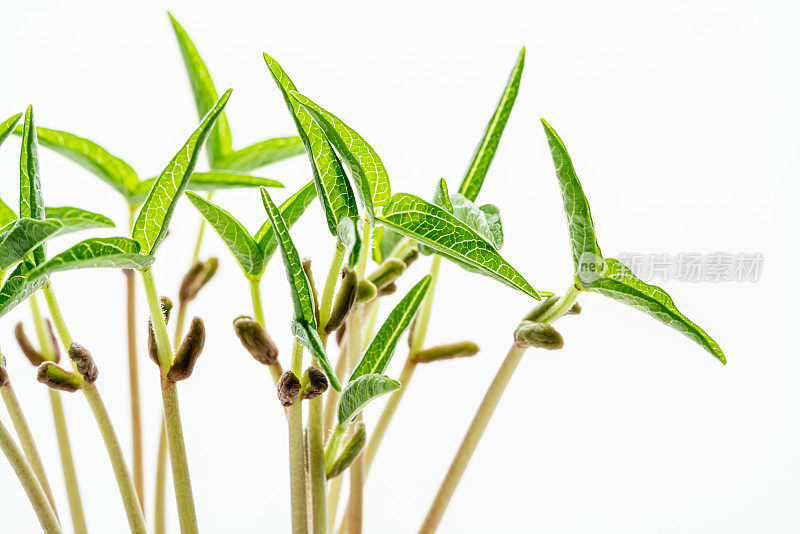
point(682, 120)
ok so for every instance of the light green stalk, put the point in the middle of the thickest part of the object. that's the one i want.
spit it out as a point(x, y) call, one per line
point(258, 313)
point(297, 471)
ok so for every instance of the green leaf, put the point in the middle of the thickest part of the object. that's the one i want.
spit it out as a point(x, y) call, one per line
point(454, 239)
point(205, 96)
point(30, 187)
point(471, 185)
point(291, 210)
point(18, 287)
point(441, 197)
point(619, 283)
point(370, 176)
point(76, 219)
point(110, 252)
point(349, 232)
point(212, 181)
point(309, 338)
point(7, 215)
point(360, 392)
point(492, 214)
point(381, 349)
point(262, 153)
point(92, 157)
point(19, 238)
point(586, 254)
point(333, 188)
point(243, 247)
point(151, 226)
point(7, 126)
point(465, 210)
point(385, 240)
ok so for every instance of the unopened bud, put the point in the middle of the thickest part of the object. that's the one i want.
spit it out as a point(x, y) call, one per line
point(575, 309)
point(3, 376)
point(187, 354)
point(196, 277)
point(340, 333)
point(27, 348)
point(538, 335)
point(365, 291)
point(306, 263)
point(447, 352)
point(313, 384)
point(256, 340)
point(350, 451)
point(55, 377)
point(152, 344)
point(345, 299)
point(410, 256)
point(288, 389)
point(387, 272)
point(387, 290)
point(540, 309)
point(84, 362)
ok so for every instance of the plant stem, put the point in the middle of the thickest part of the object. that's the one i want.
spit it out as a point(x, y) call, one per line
point(129, 498)
point(26, 441)
point(316, 464)
point(471, 439)
point(297, 475)
point(29, 483)
point(330, 285)
point(258, 313)
point(200, 232)
point(355, 503)
point(172, 417)
point(420, 330)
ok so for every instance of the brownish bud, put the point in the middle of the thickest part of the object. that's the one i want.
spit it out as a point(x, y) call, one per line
point(55, 377)
point(447, 352)
point(345, 299)
point(350, 451)
point(538, 335)
point(3, 376)
point(340, 334)
point(387, 289)
point(256, 340)
point(313, 384)
point(410, 256)
point(365, 291)
point(187, 354)
point(575, 309)
point(84, 362)
point(306, 262)
point(387, 272)
point(152, 345)
point(196, 277)
point(288, 389)
point(27, 348)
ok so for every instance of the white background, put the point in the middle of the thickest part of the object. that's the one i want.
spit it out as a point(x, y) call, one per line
point(682, 119)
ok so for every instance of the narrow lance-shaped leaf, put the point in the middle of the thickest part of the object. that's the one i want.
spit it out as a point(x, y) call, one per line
point(235, 236)
point(291, 210)
point(333, 187)
point(262, 153)
point(441, 197)
point(91, 156)
point(97, 252)
point(19, 238)
point(360, 392)
point(205, 96)
point(471, 185)
point(452, 238)
point(151, 226)
point(586, 254)
point(7, 126)
point(30, 187)
point(18, 287)
point(380, 351)
point(620, 284)
point(304, 326)
point(370, 177)
point(210, 181)
point(76, 219)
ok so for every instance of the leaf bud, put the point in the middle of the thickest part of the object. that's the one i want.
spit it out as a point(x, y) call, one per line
point(387, 290)
point(3, 376)
point(365, 291)
point(198, 275)
point(256, 340)
point(313, 384)
point(410, 256)
point(350, 451)
point(55, 377)
point(288, 389)
point(27, 348)
point(462, 349)
point(345, 298)
point(306, 263)
point(83, 361)
point(538, 335)
point(387, 272)
point(152, 345)
point(187, 354)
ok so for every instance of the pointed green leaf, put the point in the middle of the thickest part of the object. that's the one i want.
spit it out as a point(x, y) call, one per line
point(441, 197)
point(471, 185)
point(586, 254)
point(291, 210)
point(7, 126)
point(619, 283)
point(349, 232)
point(465, 210)
point(211, 181)
point(361, 392)
point(492, 214)
point(7, 215)
point(18, 287)
point(262, 153)
point(76, 219)
point(19, 238)
point(30, 185)
point(243, 247)
point(92, 157)
point(309, 338)
point(205, 96)
point(443, 232)
point(370, 176)
point(151, 226)
point(333, 188)
point(97, 252)
point(380, 351)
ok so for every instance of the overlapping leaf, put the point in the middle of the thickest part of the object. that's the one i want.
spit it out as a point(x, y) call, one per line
point(7, 126)
point(492, 214)
point(21, 237)
point(333, 188)
point(97, 252)
point(380, 351)
point(76, 219)
point(150, 227)
point(210, 181)
point(262, 153)
point(360, 392)
point(7, 215)
point(452, 238)
point(235, 236)
point(30, 187)
point(291, 210)
point(370, 177)
point(484, 154)
point(441, 197)
point(18, 287)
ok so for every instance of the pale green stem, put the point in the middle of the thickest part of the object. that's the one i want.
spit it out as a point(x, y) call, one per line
point(26, 441)
point(172, 416)
point(355, 503)
point(316, 465)
point(200, 232)
point(333, 498)
point(330, 286)
point(297, 472)
point(127, 490)
point(258, 313)
point(29, 483)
